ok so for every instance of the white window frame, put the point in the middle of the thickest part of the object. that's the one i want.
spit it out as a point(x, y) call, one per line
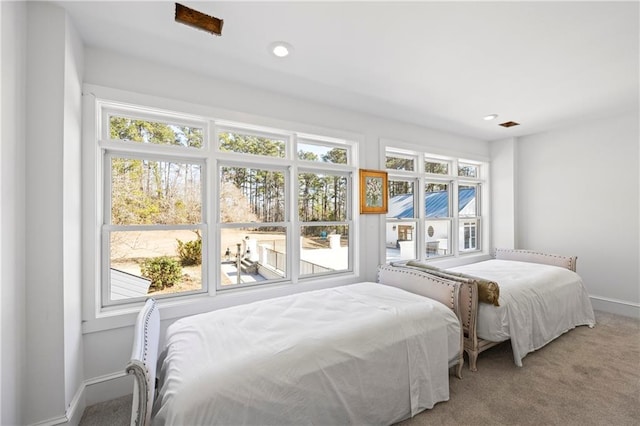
point(414, 220)
point(108, 227)
point(221, 226)
point(311, 167)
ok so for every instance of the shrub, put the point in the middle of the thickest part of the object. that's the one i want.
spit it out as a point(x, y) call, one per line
point(162, 271)
point(190, 252)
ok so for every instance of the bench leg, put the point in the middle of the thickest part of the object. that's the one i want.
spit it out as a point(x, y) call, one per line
point(473, 358)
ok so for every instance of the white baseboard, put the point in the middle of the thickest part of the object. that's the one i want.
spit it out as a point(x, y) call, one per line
point(73, 413)
point(107, 387)
point(614, 306)
point(92, 391)
point(62, 420)
point(76, 407)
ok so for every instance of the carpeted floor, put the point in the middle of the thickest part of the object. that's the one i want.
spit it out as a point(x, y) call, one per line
point(585, 377)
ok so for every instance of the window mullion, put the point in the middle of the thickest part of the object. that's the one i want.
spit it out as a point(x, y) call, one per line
point(455, 219)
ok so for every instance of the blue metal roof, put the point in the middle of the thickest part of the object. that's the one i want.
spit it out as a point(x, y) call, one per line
point(437, 203)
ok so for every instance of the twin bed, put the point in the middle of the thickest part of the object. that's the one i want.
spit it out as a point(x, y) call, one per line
point(540, 297)
point(364, 353)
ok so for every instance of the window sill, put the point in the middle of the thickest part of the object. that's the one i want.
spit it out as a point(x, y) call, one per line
point(463, 259)
point(172, 309)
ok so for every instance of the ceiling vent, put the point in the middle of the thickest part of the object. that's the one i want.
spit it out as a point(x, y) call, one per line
point(198, 20)
point(509, 124)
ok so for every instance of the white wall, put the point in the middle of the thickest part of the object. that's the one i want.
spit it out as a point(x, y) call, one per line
point(503, 194)
point(579, 195)
point(52, 235)
point(12, 212)
point(72, 216)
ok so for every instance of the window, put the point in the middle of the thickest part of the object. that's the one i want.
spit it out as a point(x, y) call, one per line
point(468, 170)
point(252, 224)
point(448, 219)
point(185, 216)
point(313, 151)
point(243, 142)
point(399, 161)
point(438, 218)
point(438, 167)
point(468, 212)
point(324, 226)
point(469, 232)
point(153, 224)
point(401, 220)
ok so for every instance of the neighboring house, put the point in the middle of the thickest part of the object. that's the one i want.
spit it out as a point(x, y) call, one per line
point(437, 233)
point(125, 285)
point(437, 204)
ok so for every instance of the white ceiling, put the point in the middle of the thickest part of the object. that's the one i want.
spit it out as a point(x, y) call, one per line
point(443, 65)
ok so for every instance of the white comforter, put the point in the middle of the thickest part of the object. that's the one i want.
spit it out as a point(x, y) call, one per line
point(359, 354)
point(537, 304)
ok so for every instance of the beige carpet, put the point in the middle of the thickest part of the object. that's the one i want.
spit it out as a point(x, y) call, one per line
point(585, 377)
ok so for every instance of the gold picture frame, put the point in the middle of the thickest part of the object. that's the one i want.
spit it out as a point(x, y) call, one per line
point(373, 192)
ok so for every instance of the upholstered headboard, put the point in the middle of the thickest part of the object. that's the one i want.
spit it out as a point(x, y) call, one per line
point(445, 291)
point(568, 262)
point(143, 362)
point(422, 282)
point(418, 282)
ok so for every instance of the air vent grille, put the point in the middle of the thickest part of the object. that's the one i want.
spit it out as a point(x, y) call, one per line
point(509, 124)
point(199, 20)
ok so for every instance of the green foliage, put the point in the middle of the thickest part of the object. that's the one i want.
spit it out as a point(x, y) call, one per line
point(398, 163)
point(162, 271)
point(336, 156)
point(152, 191)
point(249, 144)
point(399, 187)
point(143, 131)
point(263, 190)
point(437, 168)
point(190, 252)
point(309, 156)
point(321, 197)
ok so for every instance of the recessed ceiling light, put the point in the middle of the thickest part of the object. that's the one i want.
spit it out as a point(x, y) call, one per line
point(490, 117)
point(280, 49)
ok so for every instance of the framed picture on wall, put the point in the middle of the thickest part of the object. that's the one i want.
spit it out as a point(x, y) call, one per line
point(373, 191)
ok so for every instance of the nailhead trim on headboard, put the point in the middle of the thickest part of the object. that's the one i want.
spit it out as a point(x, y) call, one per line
point(146, 338)
point(568, 262)
point(142, 363)
point(464, 289)
point(471, 288)
point(422, 274)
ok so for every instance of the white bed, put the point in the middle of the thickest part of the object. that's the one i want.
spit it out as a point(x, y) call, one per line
point(538, 303)
point(359, 354)
point(526, 296)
